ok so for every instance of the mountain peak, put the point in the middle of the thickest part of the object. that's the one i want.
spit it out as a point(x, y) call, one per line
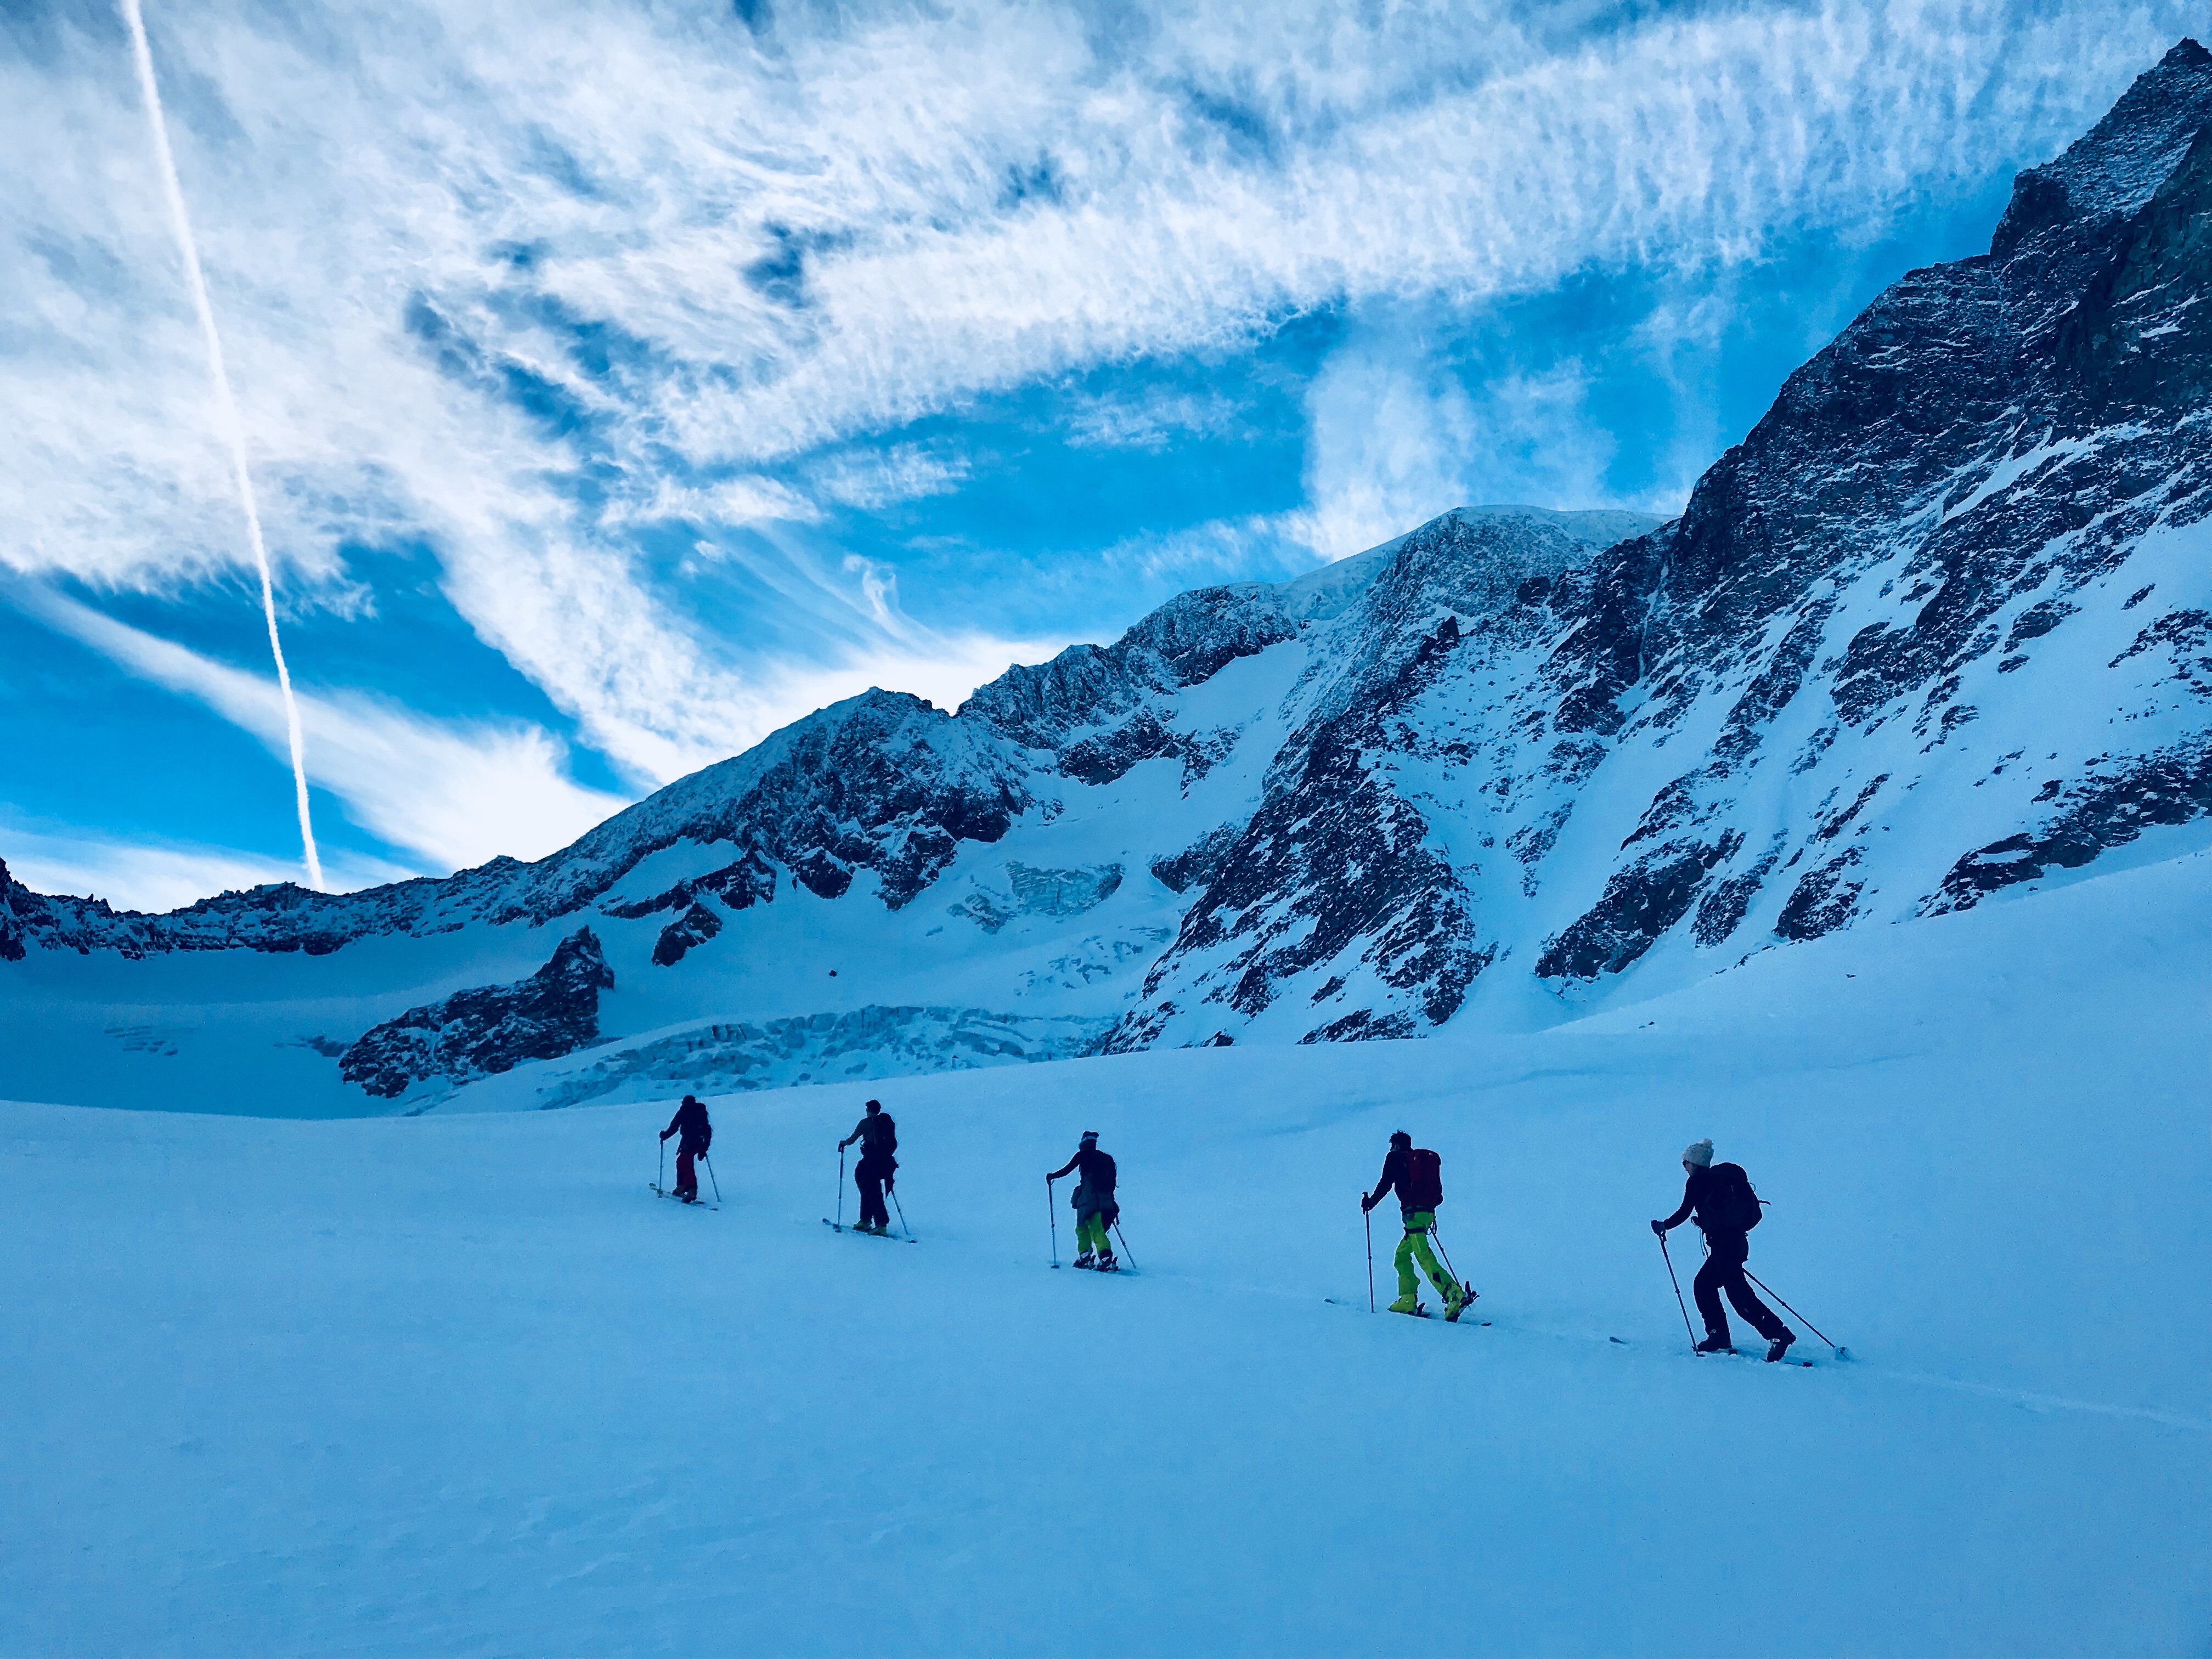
point(2119, 164)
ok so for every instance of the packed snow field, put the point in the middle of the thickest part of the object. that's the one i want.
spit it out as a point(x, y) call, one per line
point(463, 1384)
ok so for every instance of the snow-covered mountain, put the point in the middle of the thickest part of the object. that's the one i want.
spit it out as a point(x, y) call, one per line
point(1940, 626)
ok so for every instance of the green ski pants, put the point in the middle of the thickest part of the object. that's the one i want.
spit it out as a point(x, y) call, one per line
point(1415, 1247)
point(1091, 1234)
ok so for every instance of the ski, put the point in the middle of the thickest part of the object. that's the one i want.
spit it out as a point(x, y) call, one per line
point(1422, 1311)
point(1788, 1362)
point(893, 1238)
point(696, 1203)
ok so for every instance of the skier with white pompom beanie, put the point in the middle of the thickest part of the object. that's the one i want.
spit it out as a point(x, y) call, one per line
point(1726, 1210)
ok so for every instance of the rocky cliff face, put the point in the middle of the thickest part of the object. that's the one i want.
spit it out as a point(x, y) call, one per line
point(493, 1029)
point(1940, 626)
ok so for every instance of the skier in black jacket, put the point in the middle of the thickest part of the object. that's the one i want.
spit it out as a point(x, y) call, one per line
point(879, 1139)
point(1095, 1208)
point(690, 1122)
point(1713, 1193)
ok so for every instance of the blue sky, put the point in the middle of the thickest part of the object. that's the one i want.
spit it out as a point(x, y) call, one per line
point(621, 381)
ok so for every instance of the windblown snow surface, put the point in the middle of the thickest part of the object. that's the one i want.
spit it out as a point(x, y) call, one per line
point(461, 1383)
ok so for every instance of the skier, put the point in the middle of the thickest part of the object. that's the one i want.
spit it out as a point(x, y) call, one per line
point(1419, 1177)
point(879, 1139)
point(1095, 1208)
point(1727, 1210)
point(690, 1122)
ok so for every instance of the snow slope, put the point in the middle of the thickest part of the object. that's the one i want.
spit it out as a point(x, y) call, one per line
point(460, 1383)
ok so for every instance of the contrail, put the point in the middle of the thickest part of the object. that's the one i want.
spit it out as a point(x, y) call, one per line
point(228, 406)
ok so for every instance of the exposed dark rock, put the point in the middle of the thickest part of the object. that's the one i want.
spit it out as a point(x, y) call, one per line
point(1639, 903)
point(1823, 901)
point(1197, 862)
point(2188, 636)
point(1721, 911)
point(1833, 827)
point(695, 927)
point(822, 875)
point(1365, 1026)
point(492, 1029)
point(2174, 786)
point(1102, 759)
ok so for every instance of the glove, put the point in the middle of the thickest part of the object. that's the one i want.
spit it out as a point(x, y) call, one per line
point(1659, 1228)
point(665, 1133)
point(1366, 1203)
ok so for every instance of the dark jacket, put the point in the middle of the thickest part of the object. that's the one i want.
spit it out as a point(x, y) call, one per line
point(1397, 1170)
point(1699, 1193)
point(690, 1122)
point(1094, 1194)
point(1098, 1170)
point(878, 1136)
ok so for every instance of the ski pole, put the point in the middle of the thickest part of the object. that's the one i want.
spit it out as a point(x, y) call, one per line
point(1679, 1302)
point(661, 1185)
point(1436, 1233)
point(840, 1183)
point(903, 1228)
point(1809, 1325)
point(1368, 1217)
point(1125, 1242)
point(1051, 1218)
point(711, 1175)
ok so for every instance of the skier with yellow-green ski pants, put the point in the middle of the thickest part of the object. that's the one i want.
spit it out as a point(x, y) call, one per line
point(1418, 1176)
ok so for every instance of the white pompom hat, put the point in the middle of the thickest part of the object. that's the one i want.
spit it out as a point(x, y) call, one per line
point(1699, 1153)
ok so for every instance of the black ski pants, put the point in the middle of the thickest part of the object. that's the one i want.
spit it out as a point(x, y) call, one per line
point(1723, 1271)
point(869, 1179)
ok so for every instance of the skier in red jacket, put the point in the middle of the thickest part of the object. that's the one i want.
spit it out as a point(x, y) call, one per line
point(1418, 1176)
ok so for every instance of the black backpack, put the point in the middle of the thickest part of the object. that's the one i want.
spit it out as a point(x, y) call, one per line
point(1729, 1206)
point(1424, 1186)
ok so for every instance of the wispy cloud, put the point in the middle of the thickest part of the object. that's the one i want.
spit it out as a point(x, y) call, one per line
point(454, 793)
point(1151, 422)
point(153, 875)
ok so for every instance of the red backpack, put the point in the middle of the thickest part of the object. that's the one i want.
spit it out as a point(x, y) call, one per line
point(1424, 1186)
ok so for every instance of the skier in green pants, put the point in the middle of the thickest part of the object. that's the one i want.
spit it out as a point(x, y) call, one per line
point(1095, 1208)
point(1419, 1176)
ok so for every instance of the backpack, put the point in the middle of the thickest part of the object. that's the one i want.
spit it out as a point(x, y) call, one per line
point(887, 1141)
point(1731, 1206)
point(1423, 1188)
point(1101, 1176)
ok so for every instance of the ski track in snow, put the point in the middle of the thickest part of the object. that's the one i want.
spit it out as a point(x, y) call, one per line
point(462, 1383)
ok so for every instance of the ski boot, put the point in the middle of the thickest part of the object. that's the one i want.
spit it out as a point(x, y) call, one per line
point(1780, 1345)
point(1456, 1302)
point(1408, 1303)
point(1716, 1345)
point(1106, 1264)
point(1087, 1260)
